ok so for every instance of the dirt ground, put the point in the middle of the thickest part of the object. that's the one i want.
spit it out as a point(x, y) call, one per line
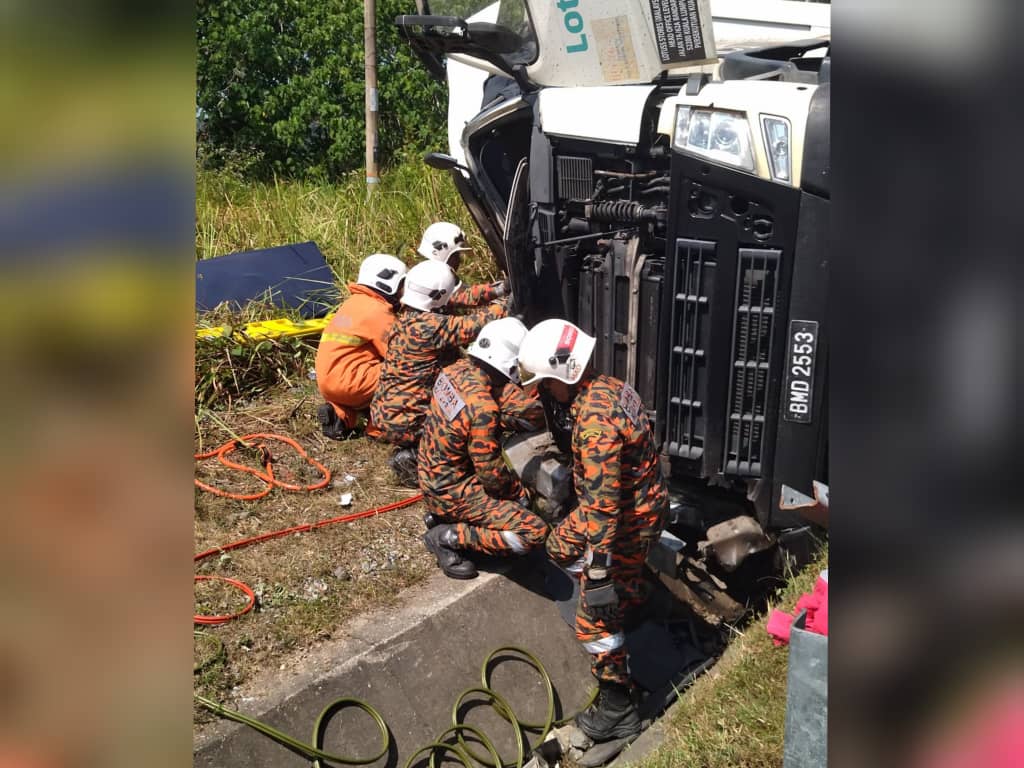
point(307, 584)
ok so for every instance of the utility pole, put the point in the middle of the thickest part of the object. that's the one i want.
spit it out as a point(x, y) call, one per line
point(370, 47)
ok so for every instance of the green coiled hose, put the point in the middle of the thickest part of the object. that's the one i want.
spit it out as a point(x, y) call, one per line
point(460, 749)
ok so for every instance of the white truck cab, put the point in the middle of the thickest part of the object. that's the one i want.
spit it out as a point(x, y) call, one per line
point(657, 171)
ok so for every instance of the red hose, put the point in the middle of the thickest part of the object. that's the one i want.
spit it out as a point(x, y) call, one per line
point(267, 476)
point(213, 620)
point(224, 618)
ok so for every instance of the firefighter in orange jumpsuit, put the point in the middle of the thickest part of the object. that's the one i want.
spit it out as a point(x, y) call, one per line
point(353, 346)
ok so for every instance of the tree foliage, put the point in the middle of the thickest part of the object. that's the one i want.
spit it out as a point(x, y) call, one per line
point(281, 87)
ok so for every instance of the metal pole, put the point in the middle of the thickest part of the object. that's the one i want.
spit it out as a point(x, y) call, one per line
point(370, 47)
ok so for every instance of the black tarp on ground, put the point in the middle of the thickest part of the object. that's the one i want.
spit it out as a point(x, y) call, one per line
point(292, 276)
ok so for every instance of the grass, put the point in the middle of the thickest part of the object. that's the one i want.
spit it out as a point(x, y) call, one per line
point(233, 368)
point(308, 584)
point(734, 716)
point(234, 215)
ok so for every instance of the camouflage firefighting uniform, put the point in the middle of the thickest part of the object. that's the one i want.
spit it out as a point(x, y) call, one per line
point(622, 503)
point(521, 409)
point(470, 296)
point(419, 344)
point(461, 471)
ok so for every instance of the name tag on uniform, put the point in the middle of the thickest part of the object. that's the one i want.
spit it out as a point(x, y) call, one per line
point(448, 397)
point(631, 404)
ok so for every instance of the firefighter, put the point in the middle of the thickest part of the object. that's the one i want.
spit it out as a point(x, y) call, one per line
point(352, 347)
point(422, 338)
point(443, 241)
point(622, 503)
point(477, 500)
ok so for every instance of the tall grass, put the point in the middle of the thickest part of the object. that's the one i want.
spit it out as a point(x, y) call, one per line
point(234, 215)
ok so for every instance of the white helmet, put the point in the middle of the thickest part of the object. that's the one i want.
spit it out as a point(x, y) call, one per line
point(383, 272)
point(429, 285)
point(497, 344)
point(555, 349)
point(440, 240)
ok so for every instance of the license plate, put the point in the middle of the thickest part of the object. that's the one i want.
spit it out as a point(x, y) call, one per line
point(803, 345)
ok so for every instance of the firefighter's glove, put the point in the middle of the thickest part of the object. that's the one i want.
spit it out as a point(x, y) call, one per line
point(523, 497)
point(500, 289)
point(600, 599)
point(539, 506)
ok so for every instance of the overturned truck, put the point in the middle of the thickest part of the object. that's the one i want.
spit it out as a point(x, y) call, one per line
point(671, 197)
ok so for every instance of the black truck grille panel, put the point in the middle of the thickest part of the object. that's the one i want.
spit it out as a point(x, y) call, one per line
point(757, 288)
point(575, 178)
point(693, 284)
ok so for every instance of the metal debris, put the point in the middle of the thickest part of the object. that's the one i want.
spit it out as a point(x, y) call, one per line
point(734, 540)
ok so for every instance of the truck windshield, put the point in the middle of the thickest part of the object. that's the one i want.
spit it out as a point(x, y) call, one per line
point(519, 47)
point(508, 13)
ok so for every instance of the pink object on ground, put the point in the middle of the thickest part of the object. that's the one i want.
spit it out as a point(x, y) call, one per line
point(779, 623)
point(816, 605)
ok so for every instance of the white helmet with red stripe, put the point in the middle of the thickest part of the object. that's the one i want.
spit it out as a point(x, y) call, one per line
point(555, 349)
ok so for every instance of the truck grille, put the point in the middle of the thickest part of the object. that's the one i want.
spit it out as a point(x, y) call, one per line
point(693, 283)
point(575, 178)
point(753, 335)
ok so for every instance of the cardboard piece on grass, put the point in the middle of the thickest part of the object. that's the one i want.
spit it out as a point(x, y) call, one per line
point(294, 276)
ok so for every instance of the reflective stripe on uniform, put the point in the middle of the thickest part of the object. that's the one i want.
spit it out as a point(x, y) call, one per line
point(514, 541)
point(576, 567)
point(343, 338)
point(605, 644)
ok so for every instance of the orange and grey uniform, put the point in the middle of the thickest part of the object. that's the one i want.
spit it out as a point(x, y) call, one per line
point(521, 409)
point(472, 295)
point(462, 474)
point(622, 504)
point(352, 348)
point(419, 344)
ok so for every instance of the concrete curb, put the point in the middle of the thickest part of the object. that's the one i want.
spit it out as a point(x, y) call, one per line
point(411, 663)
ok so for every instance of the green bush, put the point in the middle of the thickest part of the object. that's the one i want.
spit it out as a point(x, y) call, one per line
point(280, 88)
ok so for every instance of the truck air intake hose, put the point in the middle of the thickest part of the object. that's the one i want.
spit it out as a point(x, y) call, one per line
point(620, 210)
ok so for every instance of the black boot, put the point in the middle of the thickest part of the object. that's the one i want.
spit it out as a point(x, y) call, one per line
point(440, 540)
point(612, 716)
point(403, 464)
point(331, 424)
point(430, 520)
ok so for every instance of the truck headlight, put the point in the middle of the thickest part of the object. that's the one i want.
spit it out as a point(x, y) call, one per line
point(715, 134)
point(776, 143)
